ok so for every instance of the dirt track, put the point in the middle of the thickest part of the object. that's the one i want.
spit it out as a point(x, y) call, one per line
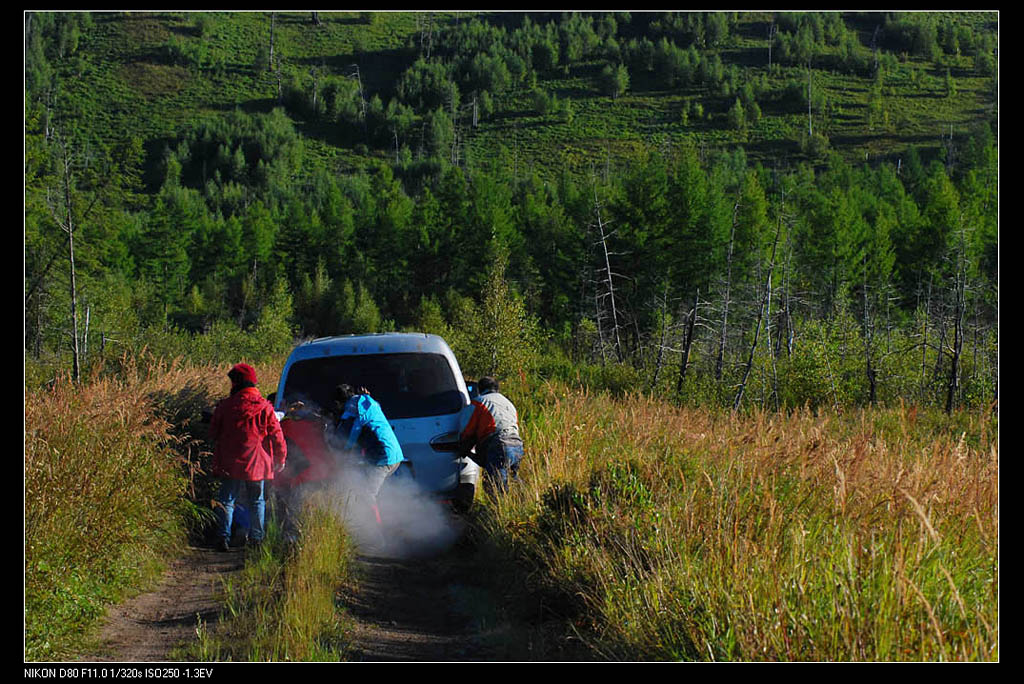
point(150, 626)
point(423, 609)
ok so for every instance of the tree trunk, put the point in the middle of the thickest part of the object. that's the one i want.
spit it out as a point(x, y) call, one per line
point(609, 281)
point(868, 340)
point(765, 300)
point(69, 227)
point(660, 360)
point(720, 362)
point(684, 361)
point(924, 343)
point(956, 350)
point(273, 21)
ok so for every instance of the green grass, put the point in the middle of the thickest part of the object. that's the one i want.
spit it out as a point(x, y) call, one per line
point(105, 501)
point(115, 482)
point(281, 607)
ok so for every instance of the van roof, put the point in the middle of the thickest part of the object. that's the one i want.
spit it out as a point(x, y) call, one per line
point(372, 343)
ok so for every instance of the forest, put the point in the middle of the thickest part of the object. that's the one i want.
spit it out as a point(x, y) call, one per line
point(727, 209)
point(738, 271)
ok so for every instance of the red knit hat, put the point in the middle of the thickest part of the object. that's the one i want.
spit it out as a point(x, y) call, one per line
point(242, 372)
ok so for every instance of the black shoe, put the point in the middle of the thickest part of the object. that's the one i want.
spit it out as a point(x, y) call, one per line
point(224, 545)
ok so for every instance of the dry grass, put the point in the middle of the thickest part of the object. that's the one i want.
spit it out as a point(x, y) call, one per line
point(114, 479)
point(654, 532)
point(691, 534)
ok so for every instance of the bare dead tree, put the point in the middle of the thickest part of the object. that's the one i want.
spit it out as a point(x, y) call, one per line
point(926, 312)
point(85, 335)
point(665, 333)
point(959, 306)
point(720, 362)
point(608, 277)
point(810, 128)
point(276, 68)
point(869, 331)
point(684, 360)
point(426, 28)
point(63, 214)
point(769, 347)
point(831, 376)
point(785, 329)
point(362, 99)
point(273, 22)
point(765, 303)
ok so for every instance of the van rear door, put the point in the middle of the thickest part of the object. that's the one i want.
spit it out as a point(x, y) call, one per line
point(418, 392)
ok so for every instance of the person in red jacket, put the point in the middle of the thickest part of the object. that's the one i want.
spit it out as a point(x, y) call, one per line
point(249, 447)
point(311, 465)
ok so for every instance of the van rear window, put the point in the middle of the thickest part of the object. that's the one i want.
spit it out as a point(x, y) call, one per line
point(407, 385)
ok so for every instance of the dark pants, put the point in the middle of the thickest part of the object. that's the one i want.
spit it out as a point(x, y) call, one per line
point(502, 464)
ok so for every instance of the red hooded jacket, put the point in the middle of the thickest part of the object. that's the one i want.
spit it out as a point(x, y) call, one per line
point(247, 437)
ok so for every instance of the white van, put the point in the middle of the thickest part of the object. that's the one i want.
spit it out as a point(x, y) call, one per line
point(419, 385)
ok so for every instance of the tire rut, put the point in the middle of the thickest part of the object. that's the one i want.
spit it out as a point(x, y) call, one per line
point(152, 625)
point(423, 610)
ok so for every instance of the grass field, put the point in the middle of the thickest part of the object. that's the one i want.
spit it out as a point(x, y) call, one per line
point(667, 534)
point(649, 532)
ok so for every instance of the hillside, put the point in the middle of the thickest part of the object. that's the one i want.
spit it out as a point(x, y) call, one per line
point(650, 189)
point(151, 75)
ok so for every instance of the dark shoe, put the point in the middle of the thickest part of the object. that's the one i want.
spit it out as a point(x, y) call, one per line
point(253, 543)
point(224, 545)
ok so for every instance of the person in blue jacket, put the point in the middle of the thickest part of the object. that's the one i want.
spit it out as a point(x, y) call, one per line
point(362, 427)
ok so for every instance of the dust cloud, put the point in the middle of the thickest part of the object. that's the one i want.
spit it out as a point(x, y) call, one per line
point(404, 522)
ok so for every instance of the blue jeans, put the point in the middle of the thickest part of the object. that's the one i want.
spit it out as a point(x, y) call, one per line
point(230, 492)
point(502, 463)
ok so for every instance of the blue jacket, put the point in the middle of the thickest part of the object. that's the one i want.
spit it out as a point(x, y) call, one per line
point(363, 425)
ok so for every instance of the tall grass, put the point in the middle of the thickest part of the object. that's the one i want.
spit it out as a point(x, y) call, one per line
point(114, 482)
point(653, 532)
point(104, 496)
point(665, 533)
point(282, 605)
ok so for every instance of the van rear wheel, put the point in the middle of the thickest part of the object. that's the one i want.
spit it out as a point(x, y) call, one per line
point(462, 499)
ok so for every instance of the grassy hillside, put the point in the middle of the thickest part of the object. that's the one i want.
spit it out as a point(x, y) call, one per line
point(370, 173)
point(151, 74)
point(337, 172)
